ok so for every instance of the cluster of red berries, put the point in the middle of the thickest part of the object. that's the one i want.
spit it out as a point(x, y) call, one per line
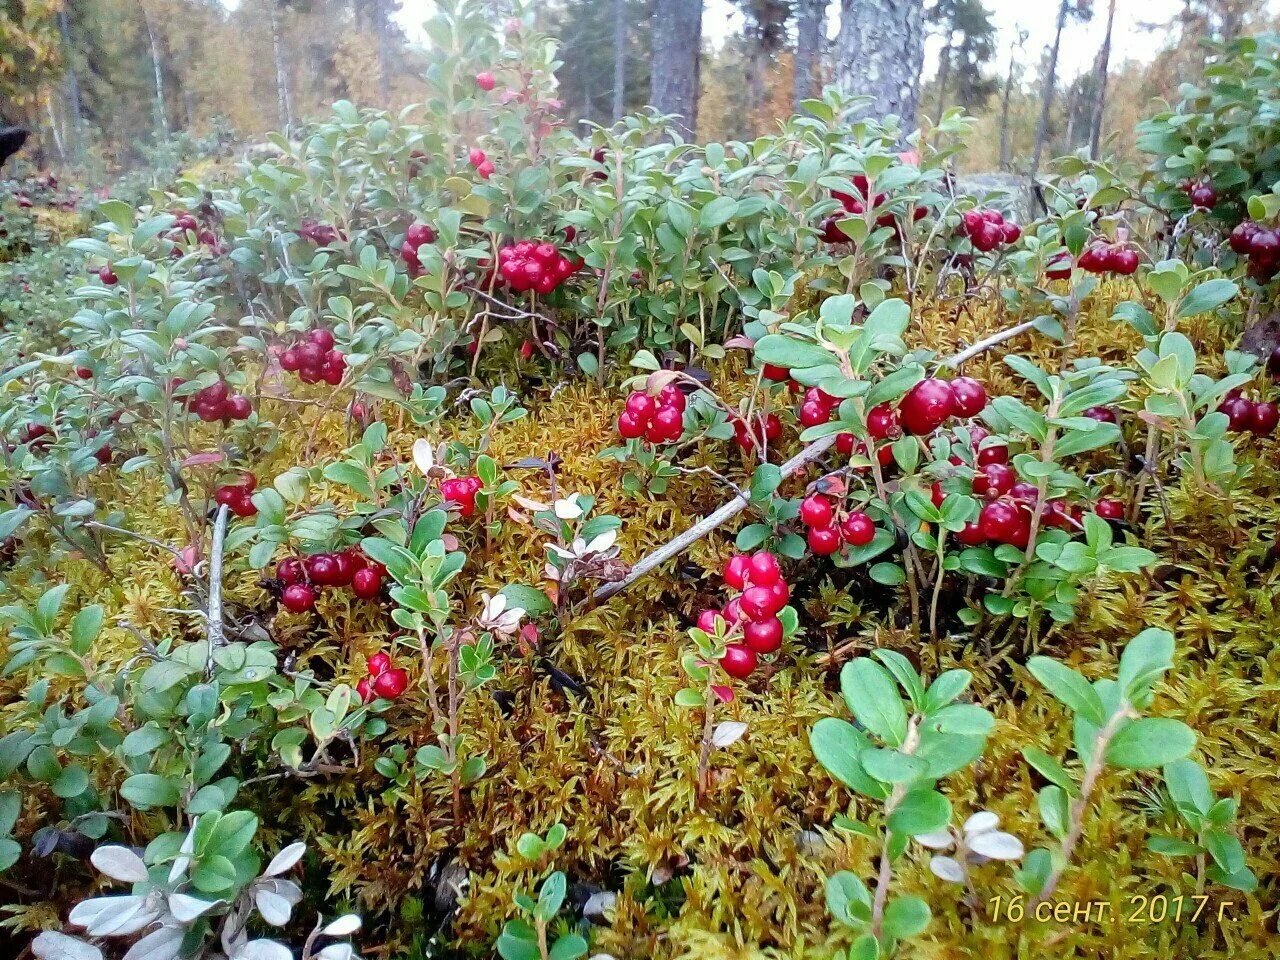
point(1260, 245)
point(238, 496)
point(827, 530)
point(766, 429)
point(185, 223)
point(415, 236)
point(1258, 417)
point(302, 579)
point(1103, 257)
point(384, 679)
point(932, 401)
point(315, 359)
point(321, 234)
point(1200, 193)
point(38, 436)
point(988, 229)
point(856, 206)
point(659, 420)
point(754, 611)
point(461, 492)
point(526, 265)
point(484, 166)
point(216, 402)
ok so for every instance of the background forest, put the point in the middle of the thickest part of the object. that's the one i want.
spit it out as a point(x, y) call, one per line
point(104, 83)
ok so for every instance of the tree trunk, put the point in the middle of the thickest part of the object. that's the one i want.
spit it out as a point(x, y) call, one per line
point(1042, 128)
point(1100, 86)
point(809, 22)
point(284, 102)
point(1004, 116)
point(944, 74)
point(73, 84)
point(381, 29)
point(879, 53)
point(619, 58)
point(756, 86)
point(162, 115)
point(677, 48)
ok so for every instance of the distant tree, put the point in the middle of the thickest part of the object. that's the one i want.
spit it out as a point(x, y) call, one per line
point(590, 34)
point(765, 31)
point(1101, 66)
point(969, 43)
point(1014, 52)
point(1080, 9)
point(677, 51)
point(811, 16)
point(879, 53)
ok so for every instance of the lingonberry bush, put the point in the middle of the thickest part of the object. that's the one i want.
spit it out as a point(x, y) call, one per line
point(317, 497)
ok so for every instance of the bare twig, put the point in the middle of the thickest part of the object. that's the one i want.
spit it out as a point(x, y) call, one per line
point(982, 346)
point(216, 636)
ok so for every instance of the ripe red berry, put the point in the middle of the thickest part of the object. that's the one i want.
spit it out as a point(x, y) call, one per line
point(364, 690)
point(1204, 195)
point(289, 571)
point(707, 620)
point(672, 396)
point(323, 569)
point(641, 406)
point(298, 597)
point(970, 396)
point(379, 663)
point(971, 535)
point(824, 541)
point(476, 156)
point(366, 583)
point(391, 683)
point(735, 571)
point(1109, 509)
point(237, 408)
point(993, 480)
point(816, 511)
point(763, 569)
point(781, 593)
point(629, 427)
point(738, 661)
point(757, 603)
point(1101, 414)
point(485, 170)
point(926, 406)
point(882, 422)
point(1124, 262)
point(774, 372)
point(858, 529)
point(1265, 417)
point(763, 636)
point(108, 276)
point(845, 443)
point(1239, 413)
point(813, 413)
point(484, 80)
point(999, 521)
point(670, 421)
point(732, 612)
point(992, 454)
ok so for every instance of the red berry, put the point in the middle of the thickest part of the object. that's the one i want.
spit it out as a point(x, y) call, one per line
point(1239, 413)
point(707, 620)
point(735, 571)
point(379, 663)
point(416, 235)
point(813, 413)
point(364, 690)
point(738, 661)
point(772, 371)
point(298, 598)
point(845, 443)
point(108, 276)
point(816, 511)
point(366, 583)
point(289, 571)
point(1109, 509)
point(970, 396)
point(641, 406)
point(323, 569)
point(926, 406)
point(1101, 414)
point(858, 529)
point(1265, 417)
point(999, 521)
point(732, 612)
point(1026, 492)
point(672, 396)
point(242, 504)
point(391, 683)
point(882, 422)
point(476, 156)
point(824, 541)
point(1124, 262)
point(993, 480)
point(630, 428)
point(993, 454)
point(290, 360)
point(757, 603)
point(1203, 195)
point(485, 170)
point(484, 80)
point(781, 593)
point(322, 338)
point(763, 569)
point(971, 535)
point(670, 422)
point(763, 636)
point(237, 408)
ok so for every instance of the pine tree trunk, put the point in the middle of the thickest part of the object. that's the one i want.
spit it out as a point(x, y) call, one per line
point(284, 103)
point(1004, 116)
point(879, 53)
point(677, 48)
point(944, 74)
point(1100, 86)
point(809, 17)
point(381, 14)
point(1042, 129)
point(73, 84)
point(162, 115)
point(619, 58)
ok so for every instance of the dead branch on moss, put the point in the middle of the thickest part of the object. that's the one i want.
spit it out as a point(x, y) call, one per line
point(217, 637)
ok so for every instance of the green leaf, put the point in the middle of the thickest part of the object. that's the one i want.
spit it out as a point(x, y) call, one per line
point(531, 600)
point(791, 352)
point(214, 875)
point(1207, 296)
point(1150, 742)
point(1144, 660)
point(964, 718)
point(518, 941)
point(1225, 849)
point(890, 766)
point(1069, 687)
point(945, 688)
point(920, 811)
point(551, 896)
point(848, 899)
point(569, 947)
point(1055, 811)
point(838, 745)
point(147, 790)
point(873, 698)
point(1188, 786)
point(1050, 769)
point(717, 213)
point(906, 917)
